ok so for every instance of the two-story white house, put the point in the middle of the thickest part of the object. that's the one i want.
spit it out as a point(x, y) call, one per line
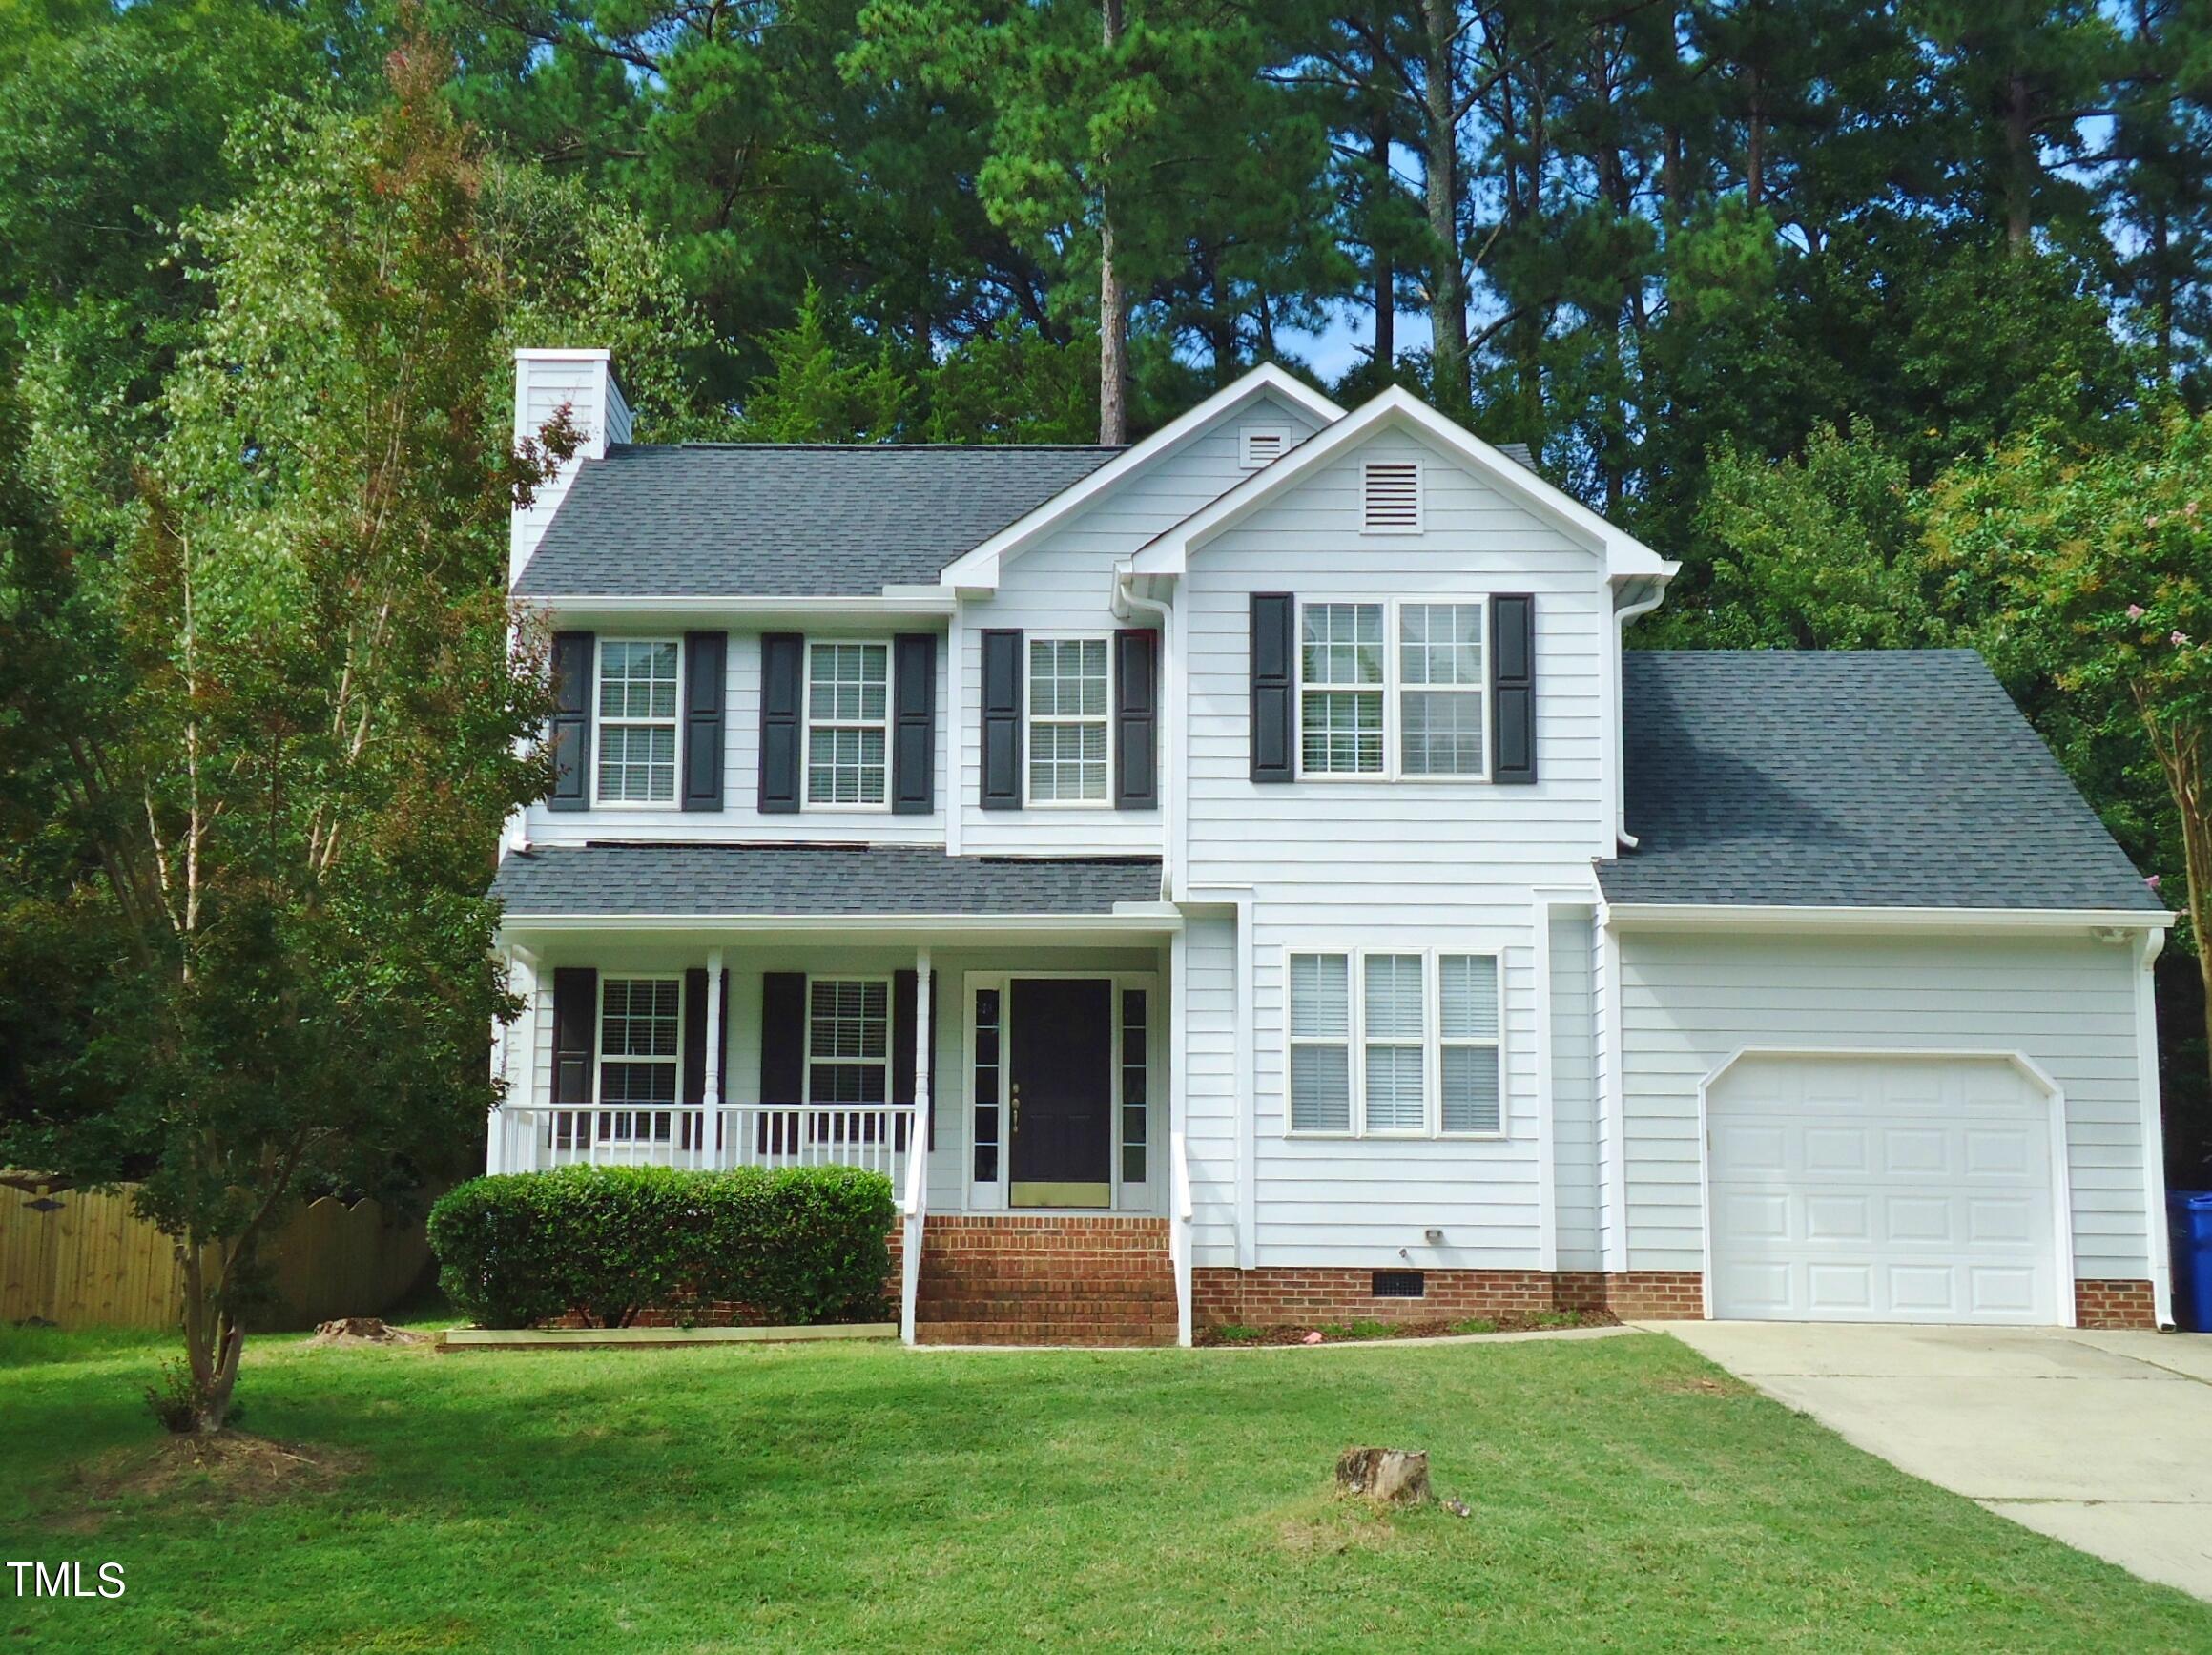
point(1243, 876)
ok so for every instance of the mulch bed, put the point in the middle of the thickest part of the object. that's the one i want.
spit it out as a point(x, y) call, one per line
point(1365, 1332)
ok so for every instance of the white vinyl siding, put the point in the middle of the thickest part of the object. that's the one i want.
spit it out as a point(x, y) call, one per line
point(637, 738)
point(1069, 704)
point(1689, 1000)
point(848, 724)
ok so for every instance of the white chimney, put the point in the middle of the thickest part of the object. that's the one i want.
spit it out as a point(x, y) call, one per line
point(544, 379)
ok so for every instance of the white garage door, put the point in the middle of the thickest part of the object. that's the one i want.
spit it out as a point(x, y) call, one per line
point(1881, 1190)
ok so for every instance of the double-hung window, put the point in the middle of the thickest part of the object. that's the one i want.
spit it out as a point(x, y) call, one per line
point(848, 1041)
point(1393, 690)
point(1395, 1045)
point(1070, 723)
point(848, 724)
point(640, 1034)
point(637, 720)
point(1340, 690)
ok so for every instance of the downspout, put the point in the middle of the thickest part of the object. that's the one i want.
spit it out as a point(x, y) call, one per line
point(1632, 600)
point(2151, 943)
point(1126, 600)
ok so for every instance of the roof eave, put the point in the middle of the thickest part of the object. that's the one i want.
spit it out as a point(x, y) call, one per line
point(1690, 915)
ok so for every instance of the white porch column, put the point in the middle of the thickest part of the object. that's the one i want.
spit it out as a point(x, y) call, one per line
point(514, 1056)
point(914, 1197)
point(714, 1028)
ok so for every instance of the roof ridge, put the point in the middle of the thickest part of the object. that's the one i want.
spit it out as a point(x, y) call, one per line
point(722, 447)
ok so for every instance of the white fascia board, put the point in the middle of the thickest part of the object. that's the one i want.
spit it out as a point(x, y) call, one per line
point(564, 354)
point(895, 603)
point(1624, 553)
point(1778, 917)
point(978, 570)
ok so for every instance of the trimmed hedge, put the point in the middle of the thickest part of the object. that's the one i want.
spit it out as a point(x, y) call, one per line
point(805, 1244)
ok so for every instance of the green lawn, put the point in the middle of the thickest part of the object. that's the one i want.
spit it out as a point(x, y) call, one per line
point(848, 1497)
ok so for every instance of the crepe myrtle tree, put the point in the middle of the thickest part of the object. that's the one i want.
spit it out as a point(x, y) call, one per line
point(322, 710)
point(2100, 561)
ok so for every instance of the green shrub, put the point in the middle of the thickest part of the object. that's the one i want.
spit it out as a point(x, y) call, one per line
point(801, 1244)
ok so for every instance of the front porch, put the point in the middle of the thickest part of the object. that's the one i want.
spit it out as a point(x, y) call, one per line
point(1015, 1066)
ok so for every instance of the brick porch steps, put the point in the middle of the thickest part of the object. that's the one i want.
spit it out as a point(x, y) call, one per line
point(1023, 1279)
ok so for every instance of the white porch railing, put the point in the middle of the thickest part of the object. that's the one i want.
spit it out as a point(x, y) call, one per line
point(875, 1137)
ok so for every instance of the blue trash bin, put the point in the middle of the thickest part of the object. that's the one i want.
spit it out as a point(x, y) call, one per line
point(2189, 1222)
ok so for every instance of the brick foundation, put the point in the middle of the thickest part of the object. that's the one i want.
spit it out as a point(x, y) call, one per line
point(1278, 1296)
point(2113, 1304)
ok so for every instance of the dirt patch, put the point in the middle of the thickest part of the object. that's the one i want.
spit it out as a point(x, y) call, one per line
point(1359, 1332)
point(1704, 1387)
point(364, 1330)
point(203, 1473)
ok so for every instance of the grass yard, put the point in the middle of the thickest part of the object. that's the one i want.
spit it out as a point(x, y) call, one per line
point(838, 1497)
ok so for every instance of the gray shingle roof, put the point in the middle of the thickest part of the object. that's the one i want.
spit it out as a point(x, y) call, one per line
point(1865, 778)
point(707, 880)
point(770, 520)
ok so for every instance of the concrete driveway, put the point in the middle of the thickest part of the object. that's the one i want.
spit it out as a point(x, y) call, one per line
point(2099, 1439)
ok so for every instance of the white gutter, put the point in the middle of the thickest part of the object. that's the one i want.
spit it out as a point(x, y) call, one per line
point(1170, 756)
point(931, 602)
point(1150, 920)
point(1627, 608)
point(1777, 917)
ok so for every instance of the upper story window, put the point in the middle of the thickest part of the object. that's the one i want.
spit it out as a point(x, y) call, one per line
point(1372, 1054)
point(637, 720)
point(1340, 690)
point(848, 1039)
point(848, 719)
point(1412, 709)
point(1071, 727)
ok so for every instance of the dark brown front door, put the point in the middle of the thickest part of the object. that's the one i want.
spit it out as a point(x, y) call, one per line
point(1059, 1073)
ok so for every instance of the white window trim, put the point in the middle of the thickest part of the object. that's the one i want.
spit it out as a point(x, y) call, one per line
point(888, 723)
point(1432, 1044)
point(1420, 522)
point(806, 1077)
point(600, 724)
point(1393, 688)
point(601, 1057)
point(1030, 720)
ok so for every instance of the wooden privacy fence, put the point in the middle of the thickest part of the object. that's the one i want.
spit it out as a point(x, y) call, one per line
point(84, 1261)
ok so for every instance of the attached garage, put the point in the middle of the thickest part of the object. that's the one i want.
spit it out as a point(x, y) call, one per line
point(1895, 1187)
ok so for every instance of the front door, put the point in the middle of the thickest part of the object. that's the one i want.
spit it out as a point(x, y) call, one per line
point(1060, 1081)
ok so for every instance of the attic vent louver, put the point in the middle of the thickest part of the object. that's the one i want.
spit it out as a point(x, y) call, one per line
point(1392, 497)
point(1260, 446)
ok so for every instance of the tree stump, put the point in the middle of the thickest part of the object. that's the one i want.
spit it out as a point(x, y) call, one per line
point(1396, 1476)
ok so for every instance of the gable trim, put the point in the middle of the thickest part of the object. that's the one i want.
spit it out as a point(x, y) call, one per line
point(979, 569)
point(1170, 553)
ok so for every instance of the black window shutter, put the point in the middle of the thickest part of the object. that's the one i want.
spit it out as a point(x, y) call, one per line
point(782, 695)
point(705, 655)
point(575, 1032)
point(1513, 688)
point(914, 728)
point(1274, 644)
point(571, 722)
point(783, 1037)
point(694, 1080)
point(1137, 718)
point(1002, 720)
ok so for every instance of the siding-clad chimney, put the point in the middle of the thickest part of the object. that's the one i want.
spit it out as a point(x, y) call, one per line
point(543, 381)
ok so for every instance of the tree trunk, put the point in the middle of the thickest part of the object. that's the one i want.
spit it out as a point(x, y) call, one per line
point(213, 1338)
point(1755, 147)
point(1384, 277)
point(1447, 279)
point(2020, 162)
point(1113, 315)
